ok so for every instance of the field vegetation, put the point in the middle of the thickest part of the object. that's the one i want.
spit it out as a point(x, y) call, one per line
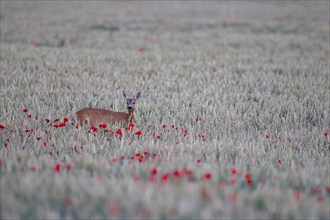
point(233, 121)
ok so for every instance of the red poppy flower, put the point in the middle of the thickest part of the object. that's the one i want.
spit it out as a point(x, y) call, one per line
point(102, 125)
point(25, 110)
point(119, 132)
point(47, 120)
point(176, 173)
point(57, 168)
point(65, 120)
point(267, 136)
point(2, 126)
point(207, 176)
point(233, 171)
point(326, 134)
point(165, 177)
point(198, 161)
point(131, 125)
point(279, 161)
point(138, 133)
point(248, 181)
point(74, 149)
point(153, 171)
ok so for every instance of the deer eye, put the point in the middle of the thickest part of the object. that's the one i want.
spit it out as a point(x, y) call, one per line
point(127, 102)
point(133, 103)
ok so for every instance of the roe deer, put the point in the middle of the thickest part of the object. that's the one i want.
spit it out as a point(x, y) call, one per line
point(98, 116)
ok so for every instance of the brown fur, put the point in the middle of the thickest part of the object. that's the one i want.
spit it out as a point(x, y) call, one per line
point(96, 116)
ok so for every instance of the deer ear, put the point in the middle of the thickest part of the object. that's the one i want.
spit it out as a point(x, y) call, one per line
point(138, 95)
point(124, 94)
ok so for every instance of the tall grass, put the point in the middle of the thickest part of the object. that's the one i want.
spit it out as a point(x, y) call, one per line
point(234, 114)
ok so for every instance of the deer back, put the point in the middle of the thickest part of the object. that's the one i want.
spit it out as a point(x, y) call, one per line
point(96, 116)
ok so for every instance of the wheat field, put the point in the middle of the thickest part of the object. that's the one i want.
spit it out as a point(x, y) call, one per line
point(233, 121)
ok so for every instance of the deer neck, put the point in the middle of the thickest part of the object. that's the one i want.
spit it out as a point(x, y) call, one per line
point(131, 115)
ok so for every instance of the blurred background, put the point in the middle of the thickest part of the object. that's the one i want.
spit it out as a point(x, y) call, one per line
point(270, 26)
